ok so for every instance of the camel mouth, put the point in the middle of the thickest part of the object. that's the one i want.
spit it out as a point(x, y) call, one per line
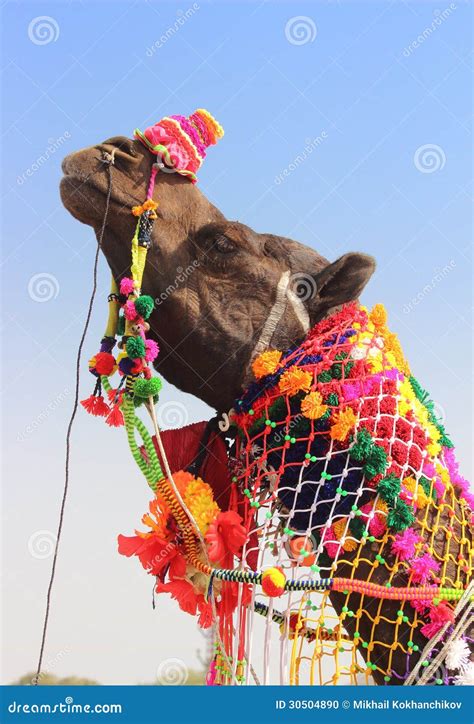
point(75, 196)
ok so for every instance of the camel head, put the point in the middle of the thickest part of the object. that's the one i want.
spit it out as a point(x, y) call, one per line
point(222, 290)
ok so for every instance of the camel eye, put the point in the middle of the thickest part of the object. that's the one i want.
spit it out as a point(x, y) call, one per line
point(224, 245)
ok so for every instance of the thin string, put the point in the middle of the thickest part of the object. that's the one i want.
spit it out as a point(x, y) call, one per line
point(109, 161)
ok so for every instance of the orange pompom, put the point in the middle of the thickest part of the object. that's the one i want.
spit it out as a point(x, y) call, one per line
point(295, 380)
point(273, 582)
point(343, 425)
point(266, 363)
point(312, 406)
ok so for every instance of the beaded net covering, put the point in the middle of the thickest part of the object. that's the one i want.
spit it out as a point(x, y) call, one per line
point(346, 473)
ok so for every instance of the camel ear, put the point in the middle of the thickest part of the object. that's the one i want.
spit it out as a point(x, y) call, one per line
point(340, 282)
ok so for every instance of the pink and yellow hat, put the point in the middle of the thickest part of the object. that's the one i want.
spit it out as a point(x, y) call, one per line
point(182, 142)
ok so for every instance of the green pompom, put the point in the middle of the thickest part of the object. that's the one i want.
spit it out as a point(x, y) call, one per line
point(144, 305)
point(363, 445)
point(400, 517)
point(325, 376)
point(121, 326)
point(135, 347)
point(332, 400)
point(389, 489)
point(376, 462)
point(430, 491)
point(143, 389)
point(357, 527)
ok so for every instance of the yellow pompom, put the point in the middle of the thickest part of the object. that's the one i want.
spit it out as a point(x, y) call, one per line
point(273, 582)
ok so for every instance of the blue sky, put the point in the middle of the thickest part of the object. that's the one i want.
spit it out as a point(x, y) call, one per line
point(386, 118)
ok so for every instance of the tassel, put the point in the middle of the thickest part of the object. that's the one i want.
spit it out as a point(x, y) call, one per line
point(89, 404)
point(115, 417)
point(101, 408)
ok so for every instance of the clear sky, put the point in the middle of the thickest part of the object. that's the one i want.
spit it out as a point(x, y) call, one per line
point(379, 95)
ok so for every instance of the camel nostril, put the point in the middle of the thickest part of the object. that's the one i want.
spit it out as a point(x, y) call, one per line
point(121, 143)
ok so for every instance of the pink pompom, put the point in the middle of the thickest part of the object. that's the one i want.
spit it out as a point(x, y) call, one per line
point(129, 310)
point(331, 545)
point(420, 606)
point(422, 568)
point(377, 525)
point(126, 286)
point(439, 616)
point(404, 544)
point(151, 350)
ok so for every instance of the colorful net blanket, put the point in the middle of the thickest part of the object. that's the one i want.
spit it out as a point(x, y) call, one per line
point(348, 473)
point(347, 511)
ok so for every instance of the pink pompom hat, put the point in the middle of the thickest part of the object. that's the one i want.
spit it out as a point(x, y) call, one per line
point(181, 142)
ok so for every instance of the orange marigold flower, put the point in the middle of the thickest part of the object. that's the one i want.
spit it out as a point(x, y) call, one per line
point(199, 499)
point(295, 380)
point(149, 205)
point(343, 424)
point(266, 363)
point(312, 406)
point(378, 315)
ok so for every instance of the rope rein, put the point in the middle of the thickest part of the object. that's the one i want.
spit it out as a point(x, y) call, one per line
point(108, 159)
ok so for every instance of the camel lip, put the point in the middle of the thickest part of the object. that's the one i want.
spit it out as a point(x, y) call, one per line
point(73, 198)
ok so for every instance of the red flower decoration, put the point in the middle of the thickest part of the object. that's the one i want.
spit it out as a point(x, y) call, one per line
point(154, 554)
point(226, 534)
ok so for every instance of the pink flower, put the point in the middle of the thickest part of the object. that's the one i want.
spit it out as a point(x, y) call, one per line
point(422, 568)
point(404, 544)
point(152, 350)
point(126, 286)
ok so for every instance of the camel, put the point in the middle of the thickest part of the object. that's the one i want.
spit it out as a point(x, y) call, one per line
point(216, 281)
